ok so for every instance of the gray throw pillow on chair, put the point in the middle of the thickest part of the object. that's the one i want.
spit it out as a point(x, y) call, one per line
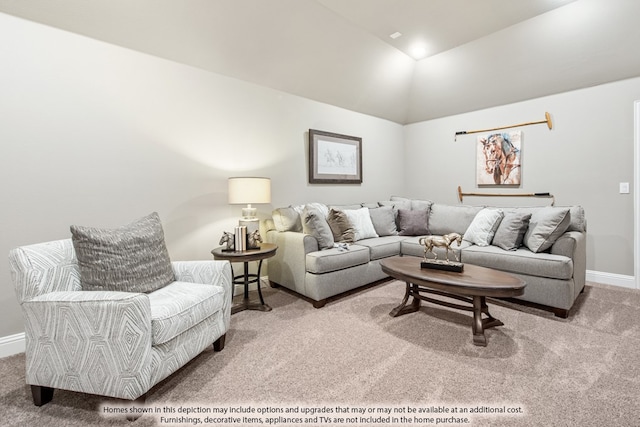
point(131, 258)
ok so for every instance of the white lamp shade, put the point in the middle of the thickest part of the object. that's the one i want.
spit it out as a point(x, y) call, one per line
point(248, 190)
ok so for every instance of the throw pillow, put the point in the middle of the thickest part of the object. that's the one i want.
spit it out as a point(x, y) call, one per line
point(286, 219)
point(132, 258)
point(545, 226)
point(340, 226)
point(314, 223)
point(511, 231)
point(483, 227)
point(413, 223)
point(361, 223)
point(384, 221)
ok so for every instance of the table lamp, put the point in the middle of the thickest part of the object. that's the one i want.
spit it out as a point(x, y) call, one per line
point(249, 190)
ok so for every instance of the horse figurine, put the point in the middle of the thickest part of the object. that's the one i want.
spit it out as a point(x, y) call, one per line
point(229, 239)
point(254, 240)
point(442, 241)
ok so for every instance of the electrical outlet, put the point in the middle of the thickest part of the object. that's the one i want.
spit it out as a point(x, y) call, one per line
point(624, 188)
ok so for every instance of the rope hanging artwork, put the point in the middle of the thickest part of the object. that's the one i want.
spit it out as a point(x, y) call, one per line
point(543, 195)
point(547, 120)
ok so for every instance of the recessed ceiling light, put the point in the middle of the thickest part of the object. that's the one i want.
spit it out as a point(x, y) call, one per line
point(395, 35)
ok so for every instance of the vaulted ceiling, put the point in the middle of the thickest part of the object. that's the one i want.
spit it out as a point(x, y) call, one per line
point(471, 54)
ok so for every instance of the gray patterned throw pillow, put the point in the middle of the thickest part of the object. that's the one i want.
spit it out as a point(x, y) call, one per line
point(131, 258)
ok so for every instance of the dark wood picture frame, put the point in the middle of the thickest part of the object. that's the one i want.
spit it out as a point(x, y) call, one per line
point(334, 158)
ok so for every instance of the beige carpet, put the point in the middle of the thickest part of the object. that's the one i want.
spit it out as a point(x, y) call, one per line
point(351, 355)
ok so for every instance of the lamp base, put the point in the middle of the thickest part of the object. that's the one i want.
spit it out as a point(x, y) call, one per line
point(249, 212)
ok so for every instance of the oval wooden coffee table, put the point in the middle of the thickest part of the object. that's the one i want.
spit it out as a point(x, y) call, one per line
point(472, 286)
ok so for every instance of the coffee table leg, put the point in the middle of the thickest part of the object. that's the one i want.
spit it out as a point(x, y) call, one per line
point(411, 290)
point(480, 324)
point(478, 327)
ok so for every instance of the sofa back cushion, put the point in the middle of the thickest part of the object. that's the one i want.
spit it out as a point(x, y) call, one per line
point(286, 219)
point(445, 219)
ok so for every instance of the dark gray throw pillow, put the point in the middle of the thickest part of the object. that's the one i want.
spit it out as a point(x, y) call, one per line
point(131, 258)
point(511, 231)
point(413, 222)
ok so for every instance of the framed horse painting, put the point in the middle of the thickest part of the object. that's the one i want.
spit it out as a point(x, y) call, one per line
point(498, 159)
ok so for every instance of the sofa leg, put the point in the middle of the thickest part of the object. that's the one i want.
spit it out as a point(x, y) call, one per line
point(41, 394)
point(320, 304)
point(218, 345)
point(561, 312)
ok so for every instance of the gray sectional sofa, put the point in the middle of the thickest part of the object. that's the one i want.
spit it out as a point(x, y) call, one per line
point(325, 251)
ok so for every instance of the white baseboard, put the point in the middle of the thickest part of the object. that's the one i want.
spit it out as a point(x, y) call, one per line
point(13, 344)
point(611, 279)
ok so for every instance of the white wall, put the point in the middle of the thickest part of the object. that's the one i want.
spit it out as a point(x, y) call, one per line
point(581, 161)
point(94, 134)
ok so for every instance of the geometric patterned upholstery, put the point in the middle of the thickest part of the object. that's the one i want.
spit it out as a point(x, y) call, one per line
point(180, 306)
point(101, 342)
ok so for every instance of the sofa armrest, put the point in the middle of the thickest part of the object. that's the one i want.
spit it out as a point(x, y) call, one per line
point(288, 266)
point(208, 272)
point(89, 341)
point(573, 244)
point(567, 244)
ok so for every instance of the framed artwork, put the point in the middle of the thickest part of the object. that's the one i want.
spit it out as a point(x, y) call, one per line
point(498, 159)
point(334, 158)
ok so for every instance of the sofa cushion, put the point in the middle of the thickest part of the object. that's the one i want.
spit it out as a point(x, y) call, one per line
point(341, 227)
point(397, 204)
point(180, 306)
point(445, 219)
point(320, 262)
point(361, 223)
point(413, 223)
point(314, 222)
point(383, 220)
point(345, 207)
point(511, 230)
point(521, 261)
point(483, 227)
point(131, 258)
point(286, 219)
point(382, 247)
point(545, 226)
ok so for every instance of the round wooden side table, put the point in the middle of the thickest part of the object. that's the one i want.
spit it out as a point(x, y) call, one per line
point(266, 250)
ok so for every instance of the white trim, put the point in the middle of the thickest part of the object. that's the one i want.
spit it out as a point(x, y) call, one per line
point(636, 192)
point(13, 344)
point(614, 279)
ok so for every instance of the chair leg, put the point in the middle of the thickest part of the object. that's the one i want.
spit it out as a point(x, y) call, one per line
point(41, 394)
point(138, 402)
point(218, 345)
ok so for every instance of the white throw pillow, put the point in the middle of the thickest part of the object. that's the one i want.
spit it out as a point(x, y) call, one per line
point(483, 227)
point(361, 222)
